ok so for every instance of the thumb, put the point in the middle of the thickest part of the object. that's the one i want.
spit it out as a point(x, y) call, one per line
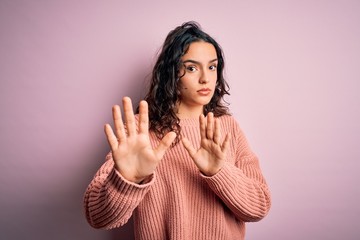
point(188, 146)
point(164, 144)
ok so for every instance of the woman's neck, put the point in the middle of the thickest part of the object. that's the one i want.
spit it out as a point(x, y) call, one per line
point(189, 112)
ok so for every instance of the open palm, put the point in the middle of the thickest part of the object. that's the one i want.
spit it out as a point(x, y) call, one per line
point(132, 152)
point(210, 156)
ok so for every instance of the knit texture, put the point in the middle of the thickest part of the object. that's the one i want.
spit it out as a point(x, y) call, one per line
point(178, 202)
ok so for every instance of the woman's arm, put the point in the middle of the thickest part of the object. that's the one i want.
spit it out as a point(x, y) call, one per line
point(110, 199)
point(239, 183)
point(243, 189)
point(115, 190)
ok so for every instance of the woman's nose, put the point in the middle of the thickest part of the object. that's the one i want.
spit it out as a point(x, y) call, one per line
point(204, 77)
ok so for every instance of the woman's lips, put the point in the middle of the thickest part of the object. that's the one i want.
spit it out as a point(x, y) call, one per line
point(204, 91)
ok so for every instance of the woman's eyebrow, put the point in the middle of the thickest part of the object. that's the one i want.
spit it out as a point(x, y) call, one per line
point(197, 62)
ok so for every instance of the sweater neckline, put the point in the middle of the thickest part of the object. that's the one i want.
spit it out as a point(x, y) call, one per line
point(189, 122)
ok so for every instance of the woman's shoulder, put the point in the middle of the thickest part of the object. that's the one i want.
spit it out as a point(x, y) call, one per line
point(227, 119)
point(230, 124)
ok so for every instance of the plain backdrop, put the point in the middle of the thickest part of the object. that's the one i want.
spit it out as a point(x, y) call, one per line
point(294, 72)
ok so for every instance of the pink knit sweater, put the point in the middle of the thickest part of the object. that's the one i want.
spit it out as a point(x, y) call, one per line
point(179, 202)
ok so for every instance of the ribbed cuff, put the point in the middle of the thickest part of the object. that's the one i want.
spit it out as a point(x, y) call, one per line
point(222, 179)
point(120, 181)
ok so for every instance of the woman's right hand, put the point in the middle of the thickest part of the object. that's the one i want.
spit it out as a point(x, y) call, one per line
point(132, 152)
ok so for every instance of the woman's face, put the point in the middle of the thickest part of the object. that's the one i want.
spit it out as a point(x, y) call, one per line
point(199, 75)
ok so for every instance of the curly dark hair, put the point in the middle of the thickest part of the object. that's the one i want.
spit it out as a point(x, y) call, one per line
point(164, 94)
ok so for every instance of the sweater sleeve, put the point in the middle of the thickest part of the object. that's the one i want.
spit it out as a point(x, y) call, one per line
point(242, 186)
point(110, 199)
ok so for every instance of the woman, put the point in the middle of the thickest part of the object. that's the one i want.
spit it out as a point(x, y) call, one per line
point(205, 187)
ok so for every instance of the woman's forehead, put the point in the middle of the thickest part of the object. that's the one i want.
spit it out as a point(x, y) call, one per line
point(200, 52)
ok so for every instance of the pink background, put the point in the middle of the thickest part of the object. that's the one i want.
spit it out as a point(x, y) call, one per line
point(293, 68)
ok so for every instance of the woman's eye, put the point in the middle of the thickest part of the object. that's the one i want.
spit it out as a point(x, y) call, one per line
point(191, 68)
point(213, 67)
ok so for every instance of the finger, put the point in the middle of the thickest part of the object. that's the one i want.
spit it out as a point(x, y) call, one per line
point(226, 144)
point(143, 117)
point(209, 125)
point(188, 146)
point(202, 122)
point(119, 124)
point(129, 116)
point(164, 144)
point(217, 134)
point(111, 138)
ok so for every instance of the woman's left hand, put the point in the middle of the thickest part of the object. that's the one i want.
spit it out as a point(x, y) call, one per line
point(210, 157)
